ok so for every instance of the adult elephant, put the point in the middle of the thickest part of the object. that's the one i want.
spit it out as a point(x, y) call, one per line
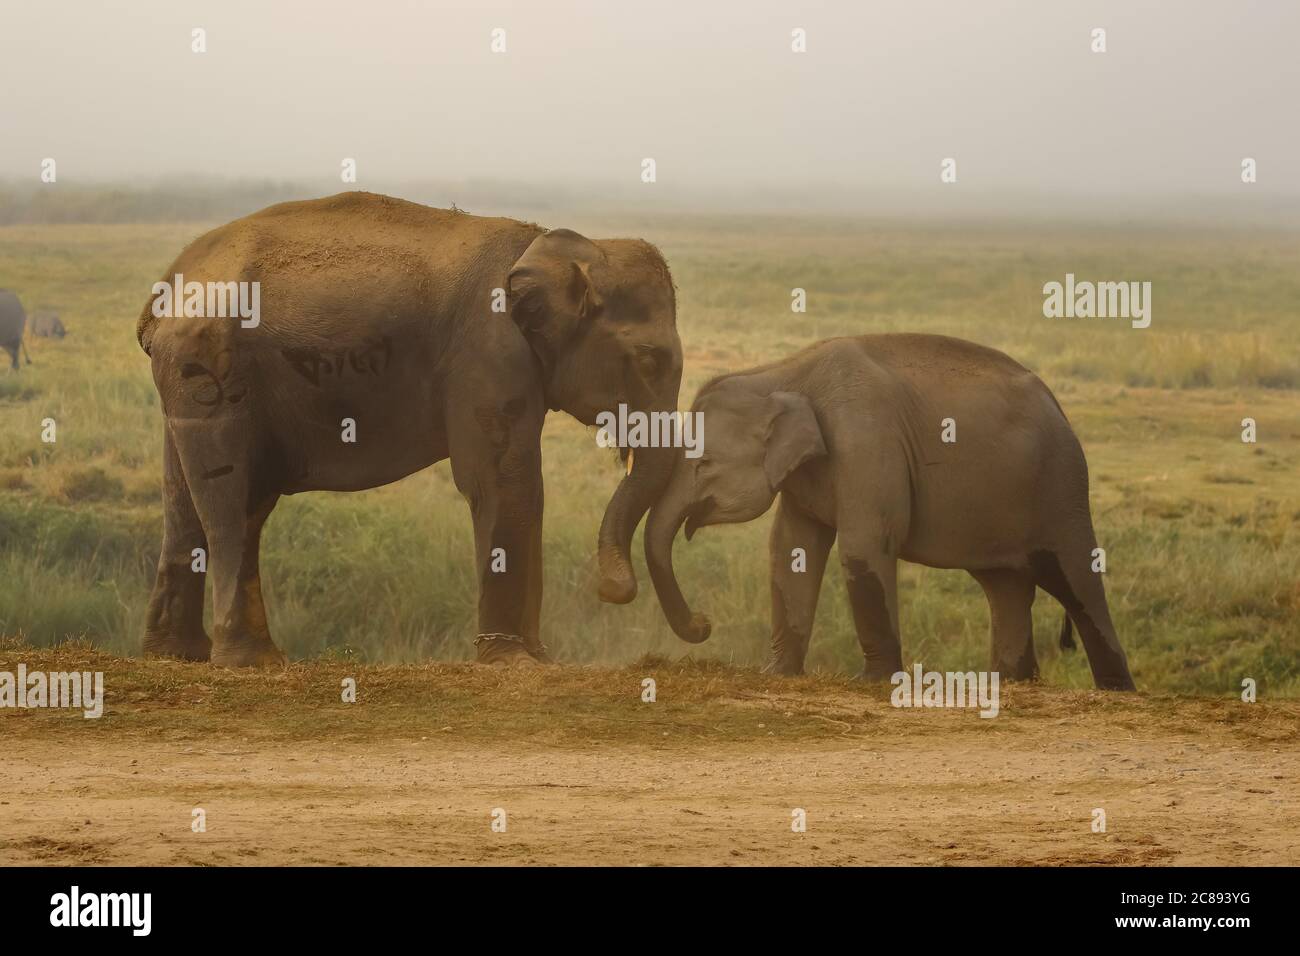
point(389, 336)
point(13, 320)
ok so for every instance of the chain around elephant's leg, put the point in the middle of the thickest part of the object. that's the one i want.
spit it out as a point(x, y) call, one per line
point(497, 466)
point(509, 598)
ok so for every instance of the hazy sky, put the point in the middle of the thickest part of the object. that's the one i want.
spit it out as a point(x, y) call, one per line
point(710, 90)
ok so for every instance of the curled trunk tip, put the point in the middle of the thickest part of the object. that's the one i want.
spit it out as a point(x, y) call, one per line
point(648, 471)
point(666, 519)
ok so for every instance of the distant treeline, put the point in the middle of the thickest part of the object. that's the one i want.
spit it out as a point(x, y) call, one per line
point(203, 200)
point(80, 203)
point(207, 199)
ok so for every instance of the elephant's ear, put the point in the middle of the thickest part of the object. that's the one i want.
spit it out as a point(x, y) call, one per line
point(549, 290)
point(793, 436)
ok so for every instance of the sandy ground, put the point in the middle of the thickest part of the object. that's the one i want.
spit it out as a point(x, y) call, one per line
point(900, 798)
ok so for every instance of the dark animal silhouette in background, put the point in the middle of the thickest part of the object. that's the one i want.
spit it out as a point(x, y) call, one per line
point(13, 320)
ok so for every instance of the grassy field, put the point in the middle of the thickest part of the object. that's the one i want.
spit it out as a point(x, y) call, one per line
point(1200, 529)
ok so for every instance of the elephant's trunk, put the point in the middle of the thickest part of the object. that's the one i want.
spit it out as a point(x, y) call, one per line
point(666, 518)
point(645, 481)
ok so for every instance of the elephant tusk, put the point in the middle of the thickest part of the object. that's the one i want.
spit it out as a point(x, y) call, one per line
point(631, 453)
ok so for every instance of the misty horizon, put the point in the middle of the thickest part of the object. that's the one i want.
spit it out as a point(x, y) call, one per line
point(1037, 122)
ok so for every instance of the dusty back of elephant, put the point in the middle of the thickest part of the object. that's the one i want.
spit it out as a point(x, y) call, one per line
point(330, 273)
point(47, 325)
point(322, 262)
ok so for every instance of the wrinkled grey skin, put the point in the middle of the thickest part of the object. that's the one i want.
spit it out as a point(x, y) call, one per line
point(12, 322)
point(47, 325)
point(848, 434)
point(382, 312)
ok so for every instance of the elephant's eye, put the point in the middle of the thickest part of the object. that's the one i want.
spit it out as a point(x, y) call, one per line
point(648, 364)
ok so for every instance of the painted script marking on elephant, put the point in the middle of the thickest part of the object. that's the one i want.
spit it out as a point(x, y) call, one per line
point(315, 364)
point(213, 391)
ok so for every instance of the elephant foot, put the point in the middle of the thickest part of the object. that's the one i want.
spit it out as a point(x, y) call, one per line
point(1016, 672)
point(1116, 682)
point(506, 650)
point(783, 667)
point(876, 672)
point(248, 654)
point(183, 647)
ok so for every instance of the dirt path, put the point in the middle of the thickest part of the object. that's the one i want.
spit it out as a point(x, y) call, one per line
point(909, 798)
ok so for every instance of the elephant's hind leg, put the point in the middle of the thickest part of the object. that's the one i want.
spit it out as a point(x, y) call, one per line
point(233, 507)
point(174, 620)
point(1010, 595)
point(1067, 575)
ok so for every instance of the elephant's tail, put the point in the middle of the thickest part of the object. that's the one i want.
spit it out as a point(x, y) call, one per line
point(144, 327)
point(1067, 634)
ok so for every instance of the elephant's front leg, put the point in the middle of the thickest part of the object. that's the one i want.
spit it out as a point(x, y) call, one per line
point(870, 574)
point(799, 546)
point(873, 521)
point(533, 605)
point(870, 560)
point(498, 470)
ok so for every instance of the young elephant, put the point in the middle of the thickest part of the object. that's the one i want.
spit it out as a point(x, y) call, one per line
point(920, 447)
